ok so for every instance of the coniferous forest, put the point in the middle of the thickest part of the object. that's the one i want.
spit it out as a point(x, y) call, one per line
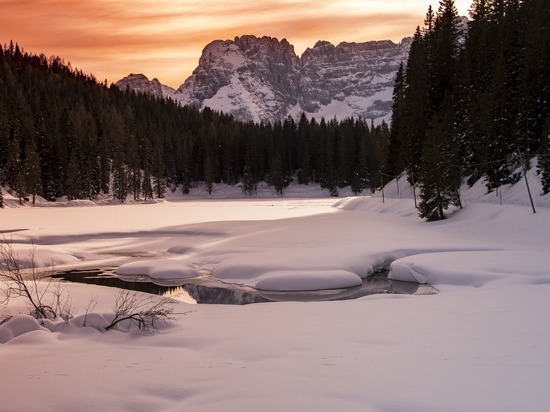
point(473, 103)
point(63, 133)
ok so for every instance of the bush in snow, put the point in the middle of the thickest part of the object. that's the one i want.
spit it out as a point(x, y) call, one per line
point(22, 279)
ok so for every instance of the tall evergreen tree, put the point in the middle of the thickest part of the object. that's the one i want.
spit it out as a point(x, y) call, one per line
point(146, 186)
point(396, 161)
point(544, 158)
point(249, 184)
point(121, 182)
point(277, 176)
point(209, 175)
point(31, 170)
point(158, 172)
point(416, 101)
point(439, 176)
point(73, 185)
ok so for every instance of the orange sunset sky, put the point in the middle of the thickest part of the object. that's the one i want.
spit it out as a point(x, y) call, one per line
point(164, 39)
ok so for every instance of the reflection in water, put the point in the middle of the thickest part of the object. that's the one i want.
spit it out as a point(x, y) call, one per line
point(107, 277)
point(225, 294)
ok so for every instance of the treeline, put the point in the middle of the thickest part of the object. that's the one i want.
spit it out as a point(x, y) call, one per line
point(473, 103)
point(62, 133)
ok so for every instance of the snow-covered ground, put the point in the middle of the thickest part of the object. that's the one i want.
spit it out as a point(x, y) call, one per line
point(481, 344)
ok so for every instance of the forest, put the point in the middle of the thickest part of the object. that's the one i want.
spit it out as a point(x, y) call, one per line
point(63, 133)
point(473, 104)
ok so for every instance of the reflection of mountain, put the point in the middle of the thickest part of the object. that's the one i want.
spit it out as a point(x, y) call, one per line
point(262, 79)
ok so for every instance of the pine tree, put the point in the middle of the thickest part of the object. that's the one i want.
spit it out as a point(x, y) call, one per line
point(146, 186)
point(416, 101)
point(439, 175)
point(443, 51)
point(544, 159)
point(12, 167)
point(249, 184)
point(158, 172)
point(277, 176)
point(73, 185)
point(32, 171)
point(134, 167)
point(208, 175)
point(120, 181)
point(396, 161)
point(303, 150)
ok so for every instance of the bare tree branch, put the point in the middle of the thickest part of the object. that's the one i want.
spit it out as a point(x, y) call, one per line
point(20, 278)
point(142, 310)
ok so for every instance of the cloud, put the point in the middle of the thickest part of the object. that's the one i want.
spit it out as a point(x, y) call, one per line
point(112, 38)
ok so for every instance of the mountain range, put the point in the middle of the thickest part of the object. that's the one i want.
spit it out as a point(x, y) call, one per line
point(262, 79)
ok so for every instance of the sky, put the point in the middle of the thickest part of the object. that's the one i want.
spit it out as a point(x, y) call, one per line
point(164, 39)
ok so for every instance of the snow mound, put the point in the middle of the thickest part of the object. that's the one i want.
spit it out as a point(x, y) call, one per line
point(39, 256)
point(155, 269)
point(473, 268)
point(17, 326)
point(307, 280)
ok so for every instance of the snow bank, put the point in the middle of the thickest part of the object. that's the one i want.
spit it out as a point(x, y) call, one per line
point(17, 326)
point(154, 269)
point(482, 343)
point(473, 268)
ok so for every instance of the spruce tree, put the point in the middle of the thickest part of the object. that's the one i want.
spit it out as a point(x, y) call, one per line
point(439, 175)
point(544, 159)
point(146, 186)
point(396, 161)
point(121, 181)
point(249, 184)
point(32, 171)
point(208, 175)
point(158, 172)
point(277, 176)
point(73, 185)
point(416, 101)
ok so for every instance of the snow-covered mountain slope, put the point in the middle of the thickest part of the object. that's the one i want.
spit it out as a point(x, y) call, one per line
point(255, 79)
point(140, 83)
point(262, 79)
point(351, 79)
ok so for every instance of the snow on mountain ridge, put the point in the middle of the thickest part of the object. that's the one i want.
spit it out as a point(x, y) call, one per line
point(140, 83)
point(262, 79)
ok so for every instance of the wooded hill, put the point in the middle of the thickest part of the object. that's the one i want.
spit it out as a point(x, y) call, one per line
point(62, 133)
point(473, 105)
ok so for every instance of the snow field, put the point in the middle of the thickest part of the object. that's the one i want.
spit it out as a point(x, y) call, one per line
point(481, 344)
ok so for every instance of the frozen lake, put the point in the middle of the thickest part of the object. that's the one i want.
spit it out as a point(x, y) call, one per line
point(485, 333)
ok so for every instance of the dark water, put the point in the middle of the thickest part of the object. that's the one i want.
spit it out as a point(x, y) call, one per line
point(219, 293)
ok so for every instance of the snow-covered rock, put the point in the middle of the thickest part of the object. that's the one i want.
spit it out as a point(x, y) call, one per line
point(262, 79)
point(140, 83)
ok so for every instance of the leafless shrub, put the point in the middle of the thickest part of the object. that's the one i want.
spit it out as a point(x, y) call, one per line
point(61, 302)
point(48, 300)
point(141, 310)
point(21, 278)
point(91, 306)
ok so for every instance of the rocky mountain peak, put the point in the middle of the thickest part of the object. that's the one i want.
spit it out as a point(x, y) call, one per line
point(254, 78)
point(262, 79)
point(140, 83)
